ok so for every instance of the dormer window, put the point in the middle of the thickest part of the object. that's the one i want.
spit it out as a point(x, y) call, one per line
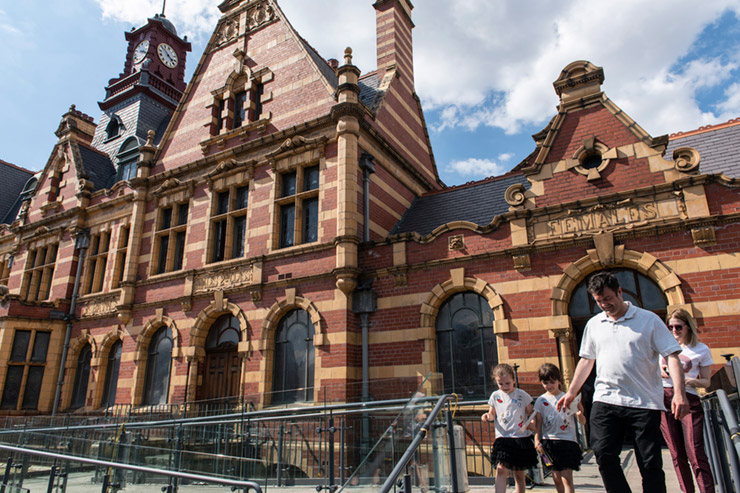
point(114, 128)
point(127, 156)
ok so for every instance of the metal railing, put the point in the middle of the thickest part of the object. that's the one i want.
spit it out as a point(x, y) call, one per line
point(722, 434)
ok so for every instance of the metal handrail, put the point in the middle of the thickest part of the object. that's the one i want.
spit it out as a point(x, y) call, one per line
point(117, 465)
point(418, 438)
point(254, 416)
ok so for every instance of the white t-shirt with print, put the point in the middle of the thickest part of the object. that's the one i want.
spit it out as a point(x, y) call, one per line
point(692, 360)
point(510, 413)
point(556, 425)
point(627, 352)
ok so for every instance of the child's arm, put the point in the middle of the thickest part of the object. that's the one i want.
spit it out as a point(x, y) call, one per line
point(537, 431)
point(489, 416)
point(580, 416)
point(532, 422)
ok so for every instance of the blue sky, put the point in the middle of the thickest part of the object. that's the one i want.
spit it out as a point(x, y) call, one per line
point(484, 69)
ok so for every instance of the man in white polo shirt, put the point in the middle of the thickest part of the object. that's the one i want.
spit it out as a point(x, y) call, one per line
point(626, 342)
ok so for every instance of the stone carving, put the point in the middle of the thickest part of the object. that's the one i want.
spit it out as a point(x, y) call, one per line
point(456, 242)
point(229, 31)
point(260, 15)
point(686, 159)
point(703, 236)
point(223, 279)
point(100, 306)
point(522, 262)
point(514, 195)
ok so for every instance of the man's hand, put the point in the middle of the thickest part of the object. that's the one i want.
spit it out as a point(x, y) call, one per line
point(565, 401)
point(679, 405)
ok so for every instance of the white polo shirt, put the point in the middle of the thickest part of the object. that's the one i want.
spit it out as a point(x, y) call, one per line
point(627, 353)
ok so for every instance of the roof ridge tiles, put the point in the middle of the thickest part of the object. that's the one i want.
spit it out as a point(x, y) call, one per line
point(20, 168)
point(705, 128)
point(473, 183)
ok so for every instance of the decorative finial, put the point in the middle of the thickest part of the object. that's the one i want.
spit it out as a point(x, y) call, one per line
point(150, 138)
point(164, 3)
point(348, 56)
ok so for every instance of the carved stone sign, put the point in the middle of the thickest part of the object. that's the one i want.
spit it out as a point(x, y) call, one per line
point(604, 218)
point(100, 306)
point(223, 279)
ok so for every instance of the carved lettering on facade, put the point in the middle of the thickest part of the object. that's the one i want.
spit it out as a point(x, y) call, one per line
point(223, 279)
point(602, 218)
point(100, 306)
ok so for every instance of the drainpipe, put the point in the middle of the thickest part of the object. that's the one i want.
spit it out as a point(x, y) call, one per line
point(365, 303)
point(82, 242)
point(367, 165)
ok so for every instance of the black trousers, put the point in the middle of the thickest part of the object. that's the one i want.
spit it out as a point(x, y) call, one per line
point(609, 426)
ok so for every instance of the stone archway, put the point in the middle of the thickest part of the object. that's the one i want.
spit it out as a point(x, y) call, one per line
point(142, 348)
point(266, 344)
point(560, 323)
point(440, 293)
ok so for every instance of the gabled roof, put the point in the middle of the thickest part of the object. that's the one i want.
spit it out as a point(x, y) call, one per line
point(718, 146)
point(477, 202)
point(12, 180)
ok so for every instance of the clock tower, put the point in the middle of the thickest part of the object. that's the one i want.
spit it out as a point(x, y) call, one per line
point(155, 62)
point(144, 96)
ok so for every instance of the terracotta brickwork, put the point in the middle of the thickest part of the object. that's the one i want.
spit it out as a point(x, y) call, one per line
point(249, 209)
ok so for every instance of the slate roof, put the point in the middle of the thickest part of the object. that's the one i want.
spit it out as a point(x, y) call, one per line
point(369, 84)
point(477, 202)
point(97, 166)
point(718, 146)
point(12, 180)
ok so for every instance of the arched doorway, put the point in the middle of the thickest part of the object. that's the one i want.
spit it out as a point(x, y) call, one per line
point(222, 363)
point(637, 288)
point(466, 345)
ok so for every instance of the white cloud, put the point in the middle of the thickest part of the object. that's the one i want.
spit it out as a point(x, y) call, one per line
point(477, 168)
point(194, 18)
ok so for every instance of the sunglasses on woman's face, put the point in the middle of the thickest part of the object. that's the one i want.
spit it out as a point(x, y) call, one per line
point(675, 328)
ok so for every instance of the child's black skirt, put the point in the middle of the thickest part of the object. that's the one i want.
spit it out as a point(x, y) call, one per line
point(516, 454)
point(564, 454)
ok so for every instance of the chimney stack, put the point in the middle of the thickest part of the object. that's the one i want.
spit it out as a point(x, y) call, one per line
point(394, 40)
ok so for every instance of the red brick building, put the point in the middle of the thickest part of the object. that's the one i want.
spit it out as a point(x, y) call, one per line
point(276, 231)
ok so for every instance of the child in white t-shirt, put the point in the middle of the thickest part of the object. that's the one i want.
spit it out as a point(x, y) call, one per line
point(555, 435)
point(510, 408)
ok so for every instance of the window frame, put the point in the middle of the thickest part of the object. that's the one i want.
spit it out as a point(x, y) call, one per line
point(279, 370)
point(96, 263)
point(223, 223)
point(170, 238)
point(465, 301)
point(39, 273)
point(151, 381)
point(30, 360)
point(296, 201)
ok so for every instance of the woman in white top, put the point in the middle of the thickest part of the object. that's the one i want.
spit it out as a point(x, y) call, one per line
point(685, 438)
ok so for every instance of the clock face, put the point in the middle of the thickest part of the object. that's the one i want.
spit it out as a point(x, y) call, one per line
point(140, 51)
point(167, 55)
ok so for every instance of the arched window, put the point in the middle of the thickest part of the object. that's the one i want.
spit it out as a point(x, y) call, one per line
point(127, 157)
point(114, 127)
point(466, 345)
point(294, 359)
point(158, 367)
point(82, 375)
point(111, 374)
point(223, 366)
